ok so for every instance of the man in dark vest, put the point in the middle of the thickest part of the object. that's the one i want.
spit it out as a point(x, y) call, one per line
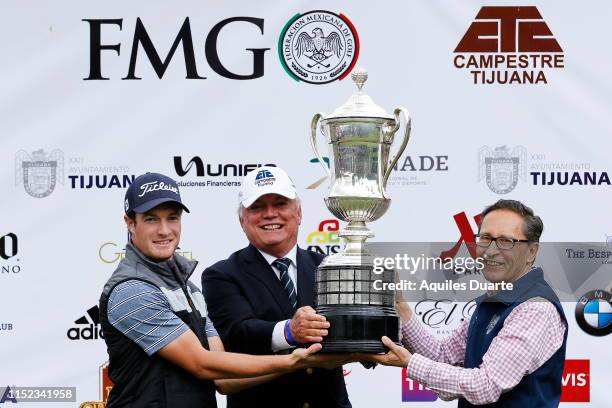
point(163, 350)
point(512, 351)
point(261, 297)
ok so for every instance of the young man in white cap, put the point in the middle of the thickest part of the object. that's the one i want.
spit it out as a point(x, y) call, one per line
point(261, 297)
point(163, 350)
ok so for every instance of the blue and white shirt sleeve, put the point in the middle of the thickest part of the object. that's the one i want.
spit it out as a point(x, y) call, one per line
point(141, 312)
point(200, 304)
point(210, 329)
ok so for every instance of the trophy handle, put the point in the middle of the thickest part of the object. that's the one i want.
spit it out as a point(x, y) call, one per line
point(313, 141)
point(402, 147)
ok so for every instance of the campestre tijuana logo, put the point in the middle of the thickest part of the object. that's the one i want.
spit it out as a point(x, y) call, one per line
point(508, 45)
point(318, 47)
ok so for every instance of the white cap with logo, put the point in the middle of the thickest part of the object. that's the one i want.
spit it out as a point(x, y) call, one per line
point(265, 180)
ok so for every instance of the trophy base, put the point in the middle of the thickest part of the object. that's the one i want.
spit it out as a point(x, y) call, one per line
point(354, 346)
point(350, 332)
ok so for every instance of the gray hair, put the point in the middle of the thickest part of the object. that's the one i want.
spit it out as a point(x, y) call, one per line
point(532, 224)
point(241, 207)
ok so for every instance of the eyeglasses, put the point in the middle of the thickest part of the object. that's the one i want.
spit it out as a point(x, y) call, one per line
point(500, 242)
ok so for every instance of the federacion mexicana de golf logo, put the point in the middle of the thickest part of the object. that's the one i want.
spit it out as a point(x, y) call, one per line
point(318, 47)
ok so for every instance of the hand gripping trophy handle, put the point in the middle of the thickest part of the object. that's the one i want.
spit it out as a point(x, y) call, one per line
point(313, 141)
point(402, 147)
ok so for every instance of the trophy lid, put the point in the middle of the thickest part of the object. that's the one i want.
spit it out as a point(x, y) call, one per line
point(359, 104)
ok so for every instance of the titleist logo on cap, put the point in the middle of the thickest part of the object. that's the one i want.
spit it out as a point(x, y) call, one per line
point(155, 186)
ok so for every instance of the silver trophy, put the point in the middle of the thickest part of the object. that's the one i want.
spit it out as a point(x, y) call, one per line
point(360, 134)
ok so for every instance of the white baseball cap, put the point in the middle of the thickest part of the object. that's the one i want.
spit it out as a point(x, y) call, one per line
point(265, 180)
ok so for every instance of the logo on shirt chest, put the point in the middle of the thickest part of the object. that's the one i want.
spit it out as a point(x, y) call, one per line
point(492, 323)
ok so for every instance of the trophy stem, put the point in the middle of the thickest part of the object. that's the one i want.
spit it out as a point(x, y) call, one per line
point(355, 234)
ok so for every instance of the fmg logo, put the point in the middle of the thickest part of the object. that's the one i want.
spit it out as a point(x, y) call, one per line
point(412, 390)
point(184, 38)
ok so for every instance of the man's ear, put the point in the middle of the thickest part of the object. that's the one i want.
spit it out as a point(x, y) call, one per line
point(241, 219)
point(129, 222)
point(532, 251)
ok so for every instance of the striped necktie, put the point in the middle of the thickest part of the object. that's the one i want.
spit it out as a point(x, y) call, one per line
point(282, 264)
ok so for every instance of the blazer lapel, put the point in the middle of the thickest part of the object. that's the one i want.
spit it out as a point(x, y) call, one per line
point(306, 270)
point(262, 271)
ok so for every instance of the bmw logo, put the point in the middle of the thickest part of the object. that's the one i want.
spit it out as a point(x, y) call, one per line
point(594, 312)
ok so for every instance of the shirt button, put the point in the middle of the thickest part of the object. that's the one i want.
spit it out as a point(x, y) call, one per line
point(308, 371)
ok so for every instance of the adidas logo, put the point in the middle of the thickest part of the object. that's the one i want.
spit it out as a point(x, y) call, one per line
point(88, 328)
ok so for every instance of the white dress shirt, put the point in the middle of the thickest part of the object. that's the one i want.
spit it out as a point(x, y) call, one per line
point(278, 334)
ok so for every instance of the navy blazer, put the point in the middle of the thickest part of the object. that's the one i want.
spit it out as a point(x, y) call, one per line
point(245, 300)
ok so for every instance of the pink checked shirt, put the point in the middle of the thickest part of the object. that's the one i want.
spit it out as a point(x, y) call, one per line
point(531, 334)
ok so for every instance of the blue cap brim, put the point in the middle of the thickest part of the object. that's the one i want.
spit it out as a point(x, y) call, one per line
point(149, 205)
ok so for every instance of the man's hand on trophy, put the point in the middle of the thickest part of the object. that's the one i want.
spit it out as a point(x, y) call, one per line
point(307, 326)
point(329, 361)
point(397, 356)
point(301, 357)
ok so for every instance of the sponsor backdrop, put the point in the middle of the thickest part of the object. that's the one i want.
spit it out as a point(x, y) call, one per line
point(508, 102)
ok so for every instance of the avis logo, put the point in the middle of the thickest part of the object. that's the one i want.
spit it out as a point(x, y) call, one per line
point(325, 240)
point(412, 390)
point(508, 45)
point(576, 381)
point(87, 329)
